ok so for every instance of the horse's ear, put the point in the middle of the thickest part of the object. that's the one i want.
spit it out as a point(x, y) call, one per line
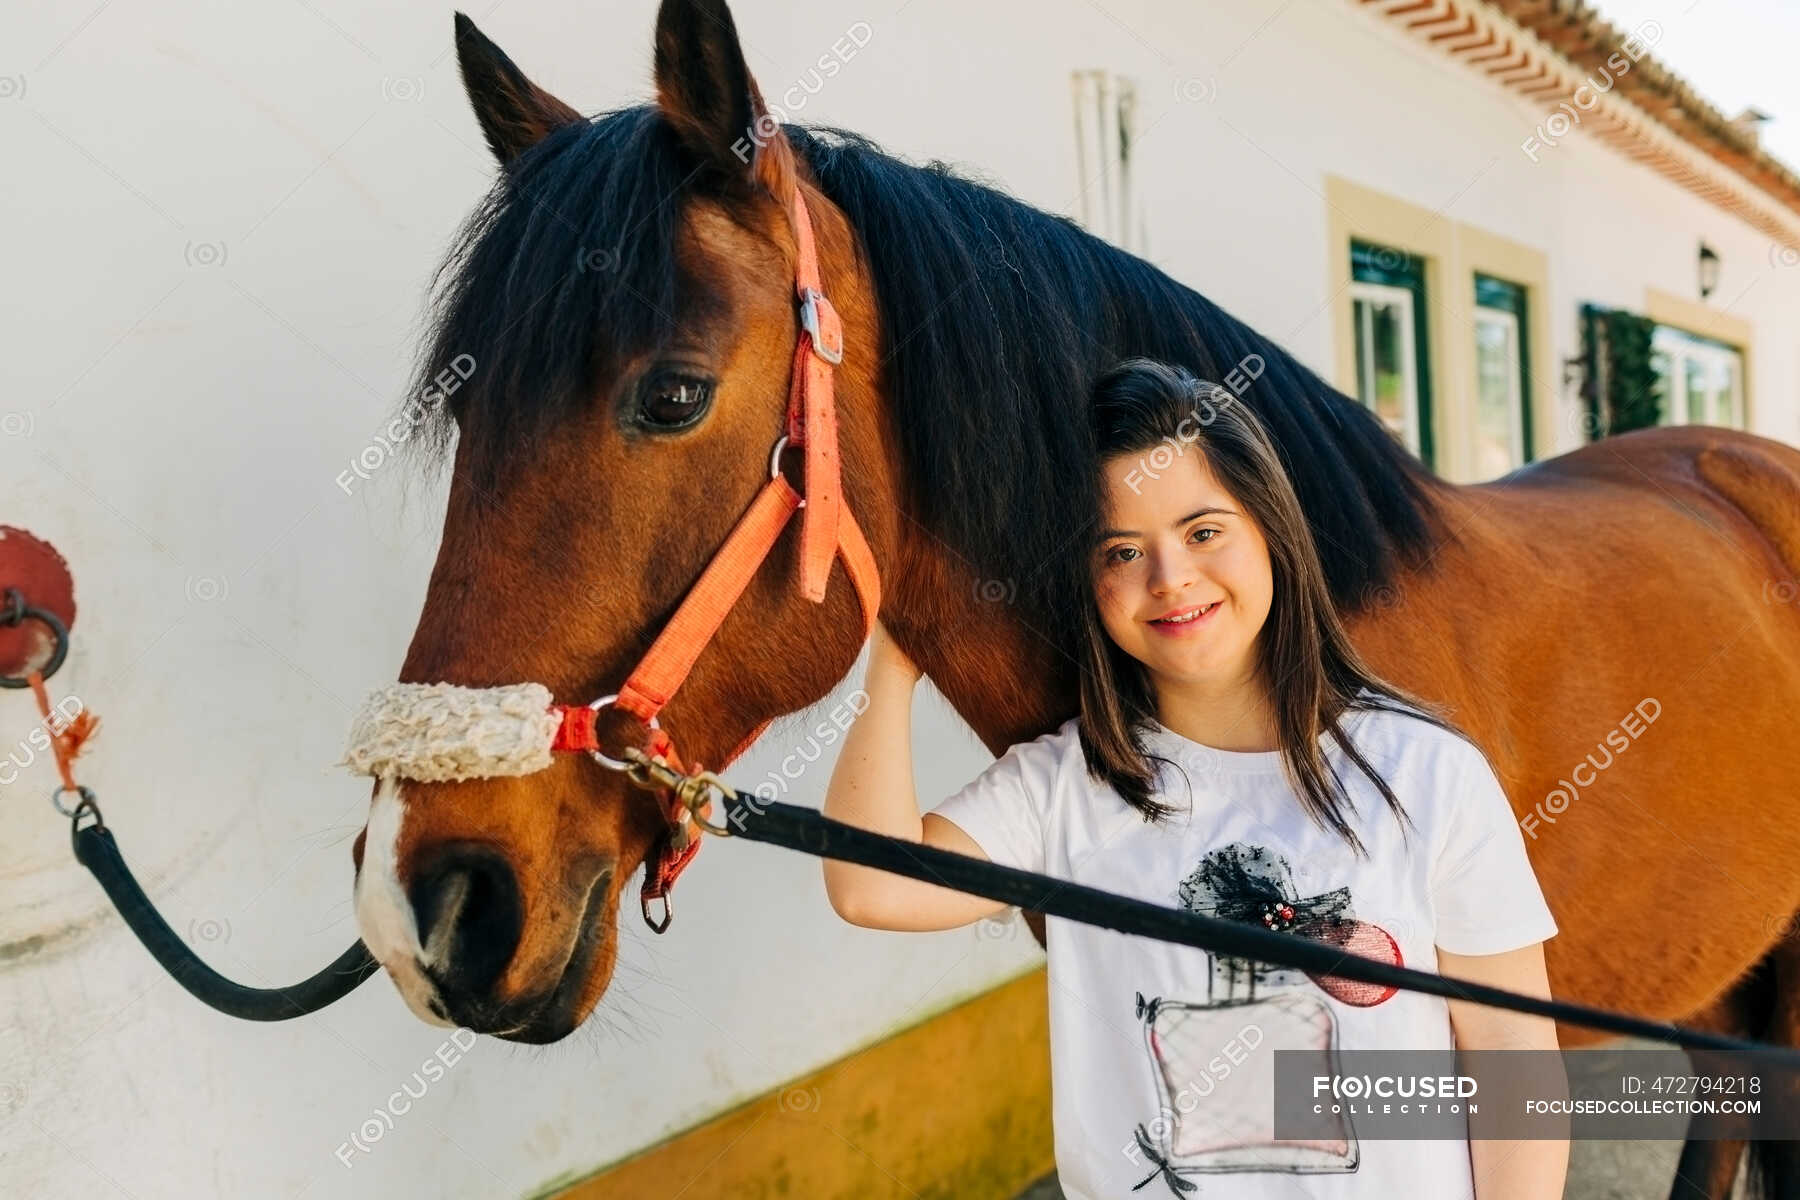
point(705, 92)
point(515, 113)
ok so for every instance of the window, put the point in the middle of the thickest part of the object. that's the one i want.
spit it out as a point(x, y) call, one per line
point(1106, 126)
point(1699, 381)
point(1387, 296)
point(1502, 400)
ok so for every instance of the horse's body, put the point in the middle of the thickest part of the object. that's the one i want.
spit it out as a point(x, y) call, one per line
point(1540, 611)
point(1647, 576)
point(1643, 568)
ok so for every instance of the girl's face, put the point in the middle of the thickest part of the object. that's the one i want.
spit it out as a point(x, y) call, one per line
point(1178, 545)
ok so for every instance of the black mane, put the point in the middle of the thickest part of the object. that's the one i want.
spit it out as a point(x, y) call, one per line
point(565, 268)
point(996, 315)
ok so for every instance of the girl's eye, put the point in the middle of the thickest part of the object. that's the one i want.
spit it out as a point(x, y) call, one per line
point(1117, 555)
point(672, 401)
point(1125, 554)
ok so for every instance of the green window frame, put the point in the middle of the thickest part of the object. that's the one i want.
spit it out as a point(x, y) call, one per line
point(1501, 317)
point(1387, 288)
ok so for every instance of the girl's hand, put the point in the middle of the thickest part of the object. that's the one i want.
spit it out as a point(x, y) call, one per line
point(872, 788)
point(887, 658)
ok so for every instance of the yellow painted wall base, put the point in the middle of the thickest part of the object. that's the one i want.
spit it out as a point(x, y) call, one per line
point(955, 1108)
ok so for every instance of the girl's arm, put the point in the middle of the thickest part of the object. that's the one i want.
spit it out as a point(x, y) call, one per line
point(1510, 1170)
point(872, 788)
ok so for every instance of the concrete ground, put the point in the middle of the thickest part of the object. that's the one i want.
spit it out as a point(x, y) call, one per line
point(1597, 1171)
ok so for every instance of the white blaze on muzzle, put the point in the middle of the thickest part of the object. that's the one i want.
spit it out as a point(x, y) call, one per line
point(439, 732)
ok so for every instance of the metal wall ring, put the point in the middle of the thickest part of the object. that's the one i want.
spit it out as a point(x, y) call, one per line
point(86, 801)
point(17, 612)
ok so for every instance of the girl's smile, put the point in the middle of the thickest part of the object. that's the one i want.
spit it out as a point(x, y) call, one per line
point(1183, 622)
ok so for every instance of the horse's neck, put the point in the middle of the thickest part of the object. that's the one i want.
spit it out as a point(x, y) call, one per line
point(966, 633)
point(963, 628)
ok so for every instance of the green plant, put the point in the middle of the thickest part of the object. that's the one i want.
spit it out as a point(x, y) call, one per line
point(1621, 386)
point(1632, 395)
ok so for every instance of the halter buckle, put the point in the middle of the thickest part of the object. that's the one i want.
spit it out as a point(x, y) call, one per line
point(820, 319)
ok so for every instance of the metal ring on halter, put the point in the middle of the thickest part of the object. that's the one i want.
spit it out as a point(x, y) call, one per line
point(17, 612)
point(775, 463)
point(611, 764)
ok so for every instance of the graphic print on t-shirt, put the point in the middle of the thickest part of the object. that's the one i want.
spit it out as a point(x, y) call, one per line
point(1212, 1058)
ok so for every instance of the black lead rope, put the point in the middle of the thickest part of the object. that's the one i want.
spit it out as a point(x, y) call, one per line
point(99, 853)
point(811, 832)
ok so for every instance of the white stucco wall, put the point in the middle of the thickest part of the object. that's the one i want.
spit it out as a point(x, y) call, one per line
point(218, 225)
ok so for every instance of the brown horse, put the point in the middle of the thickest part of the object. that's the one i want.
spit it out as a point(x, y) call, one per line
point(626, 293)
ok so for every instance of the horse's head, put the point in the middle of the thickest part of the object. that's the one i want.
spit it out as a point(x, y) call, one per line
point(613, 356)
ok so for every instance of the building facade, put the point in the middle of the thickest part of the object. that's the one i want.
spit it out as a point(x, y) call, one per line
point(227, 219)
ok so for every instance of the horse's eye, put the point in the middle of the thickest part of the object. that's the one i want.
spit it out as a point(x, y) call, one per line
point(672, 401)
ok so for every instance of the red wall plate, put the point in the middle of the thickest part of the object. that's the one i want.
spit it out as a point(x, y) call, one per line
point(34, 567)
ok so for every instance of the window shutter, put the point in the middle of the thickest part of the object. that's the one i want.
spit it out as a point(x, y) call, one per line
point(1107, 202)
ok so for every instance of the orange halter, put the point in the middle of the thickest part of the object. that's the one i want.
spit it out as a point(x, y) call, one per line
point(827, 530)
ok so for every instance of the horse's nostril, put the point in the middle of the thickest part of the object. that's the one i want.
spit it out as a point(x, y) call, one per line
point(470, 918)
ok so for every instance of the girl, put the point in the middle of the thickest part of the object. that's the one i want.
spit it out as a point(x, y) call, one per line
point(1234, 756)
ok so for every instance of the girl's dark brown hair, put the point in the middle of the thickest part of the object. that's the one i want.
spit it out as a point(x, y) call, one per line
point(1313, 673)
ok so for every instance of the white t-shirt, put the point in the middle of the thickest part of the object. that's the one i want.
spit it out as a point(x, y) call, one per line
point(1161, 1054)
